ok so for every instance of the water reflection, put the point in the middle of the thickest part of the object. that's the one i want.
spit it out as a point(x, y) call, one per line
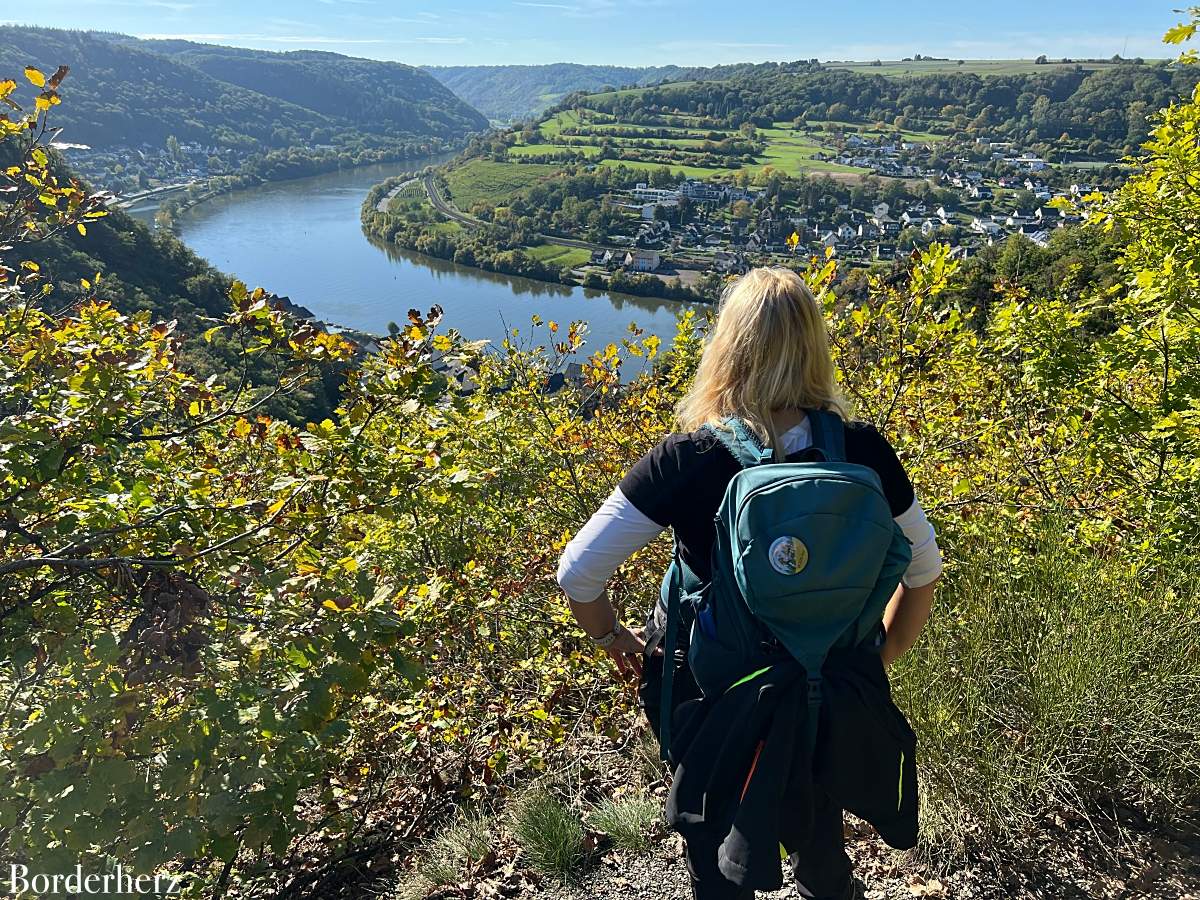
point(523, 287)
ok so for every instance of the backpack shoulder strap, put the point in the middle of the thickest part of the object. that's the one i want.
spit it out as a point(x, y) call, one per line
point(741, 442)
point(669, 641)
point(828, 434)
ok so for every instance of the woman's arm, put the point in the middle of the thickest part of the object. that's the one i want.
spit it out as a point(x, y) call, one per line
point(616, 531)
point(908, 610)
point(598, 618)
point(905, 617)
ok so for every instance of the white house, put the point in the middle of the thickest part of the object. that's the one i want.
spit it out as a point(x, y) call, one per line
point(642, 260)
point(1030, 162)
point(986, 226)
point(648, 194)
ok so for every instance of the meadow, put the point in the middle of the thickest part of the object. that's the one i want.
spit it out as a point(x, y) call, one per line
point(786, 150)
point(490, 181)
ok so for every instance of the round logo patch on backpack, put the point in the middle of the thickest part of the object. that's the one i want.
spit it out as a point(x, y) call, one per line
point(788, 555)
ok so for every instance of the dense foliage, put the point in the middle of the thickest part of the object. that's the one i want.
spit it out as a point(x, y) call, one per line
point(238, 648)
point(131, 92)
point(1085, 105)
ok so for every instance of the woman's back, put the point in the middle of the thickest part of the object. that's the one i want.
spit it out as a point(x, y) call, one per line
point(680, 482)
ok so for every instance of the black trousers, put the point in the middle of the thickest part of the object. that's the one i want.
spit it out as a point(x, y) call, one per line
point(821, 867)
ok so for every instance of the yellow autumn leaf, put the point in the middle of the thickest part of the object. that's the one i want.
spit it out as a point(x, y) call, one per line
point(35, 76)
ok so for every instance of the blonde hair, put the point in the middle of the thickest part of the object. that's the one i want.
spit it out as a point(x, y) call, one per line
point(768, 350)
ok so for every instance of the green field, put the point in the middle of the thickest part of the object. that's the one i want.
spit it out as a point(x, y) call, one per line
point(792, 153)
point(552, 126)
point(559, 254)
point(626, 92)
point(902, 68)
point(493, 182)
point(872, 128)
point(787, 151)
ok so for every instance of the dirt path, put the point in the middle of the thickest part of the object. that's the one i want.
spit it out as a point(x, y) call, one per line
point(1138, 866)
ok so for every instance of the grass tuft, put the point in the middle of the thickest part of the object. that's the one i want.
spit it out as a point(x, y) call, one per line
point(1053, 678)
point(550, 833)
point(630, 822)
point(445, 859)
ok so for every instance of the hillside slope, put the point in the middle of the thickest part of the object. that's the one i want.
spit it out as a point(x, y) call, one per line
point(144, 270)
point(510, 93)
point(127, 92)
point(375, 95)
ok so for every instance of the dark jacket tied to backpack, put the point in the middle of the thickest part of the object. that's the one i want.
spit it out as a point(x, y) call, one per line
point(783, 645)
point(745, 776)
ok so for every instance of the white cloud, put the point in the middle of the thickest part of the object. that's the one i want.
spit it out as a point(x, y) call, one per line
point(583, 9)
point(176, 6)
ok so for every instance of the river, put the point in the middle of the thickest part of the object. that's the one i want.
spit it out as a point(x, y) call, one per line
point(303, 239)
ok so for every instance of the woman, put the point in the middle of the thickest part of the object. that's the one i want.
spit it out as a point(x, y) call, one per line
point(767, 361)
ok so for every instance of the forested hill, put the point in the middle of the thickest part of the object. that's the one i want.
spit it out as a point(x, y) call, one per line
point(1108, 104)
point(126, 92)
point(511, 93)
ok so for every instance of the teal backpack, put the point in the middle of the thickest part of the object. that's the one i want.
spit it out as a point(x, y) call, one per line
point(806, 557)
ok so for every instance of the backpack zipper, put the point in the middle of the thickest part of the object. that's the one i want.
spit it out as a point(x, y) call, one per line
point(778, 484)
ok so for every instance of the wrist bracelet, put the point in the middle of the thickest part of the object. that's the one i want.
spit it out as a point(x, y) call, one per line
point(607, 640)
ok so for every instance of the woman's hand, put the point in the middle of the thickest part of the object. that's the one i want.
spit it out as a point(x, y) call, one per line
point(598, 618)
point(627, 651)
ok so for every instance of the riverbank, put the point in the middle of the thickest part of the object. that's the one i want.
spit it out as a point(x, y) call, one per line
point(277, 167)
point(452, 235)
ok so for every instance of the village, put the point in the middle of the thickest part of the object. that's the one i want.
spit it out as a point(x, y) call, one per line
point(130, 171)
point(990, 191)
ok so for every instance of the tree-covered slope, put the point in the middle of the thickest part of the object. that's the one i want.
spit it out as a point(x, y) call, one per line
point(126, 92)
point(154, 272)
point(508, 93)
point(378, 96)
point(1109, 104)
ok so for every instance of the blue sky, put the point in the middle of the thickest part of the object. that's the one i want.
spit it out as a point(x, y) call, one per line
point(637, 32)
